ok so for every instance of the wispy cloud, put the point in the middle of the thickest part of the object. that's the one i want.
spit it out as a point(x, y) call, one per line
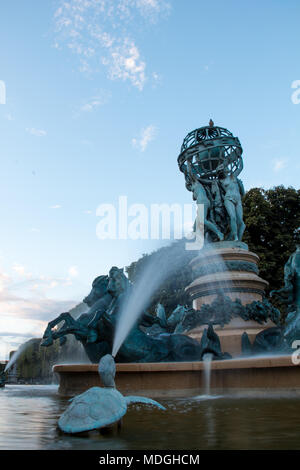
point(124, 63)
point(157, 78)
point(73, 271)
point(36, 132)
point(12, 334)
point(21, 270)
point(55, 206)
point(150, 9)
point(4, 281)
point(98, 32)
point(26, 280)
point(36, 309)
point(91, 104)
point(279, 164)
point(25, 311)
point(26, 317)
point(146, 136)
point(27, 304)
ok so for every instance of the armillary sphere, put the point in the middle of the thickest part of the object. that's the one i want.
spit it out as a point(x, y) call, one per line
point(208, 151)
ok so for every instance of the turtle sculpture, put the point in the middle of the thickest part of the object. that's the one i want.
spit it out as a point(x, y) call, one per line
point(99, 407)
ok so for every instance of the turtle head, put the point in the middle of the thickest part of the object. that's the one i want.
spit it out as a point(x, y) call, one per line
point(107, 371)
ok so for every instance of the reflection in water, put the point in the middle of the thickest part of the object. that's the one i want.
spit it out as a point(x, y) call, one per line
point(207, 358)
point(210, 423)
point(271, 420)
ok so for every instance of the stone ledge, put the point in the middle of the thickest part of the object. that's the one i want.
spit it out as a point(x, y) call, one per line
point(237, 363)
point(185, 379)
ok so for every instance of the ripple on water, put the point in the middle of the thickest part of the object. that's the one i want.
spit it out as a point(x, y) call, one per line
point(29, 414)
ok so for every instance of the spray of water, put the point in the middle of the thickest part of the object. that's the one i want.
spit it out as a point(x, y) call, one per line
point(15, 356)
point(159, 267)
point(215, 266)
point(207, 358)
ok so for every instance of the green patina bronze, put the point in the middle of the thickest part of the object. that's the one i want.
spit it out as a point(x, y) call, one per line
point(100, 407)
point(96, 328)
point(210, 344)
point(271, 340)
point(290, 295)
point(211, 161)
point(222, 310)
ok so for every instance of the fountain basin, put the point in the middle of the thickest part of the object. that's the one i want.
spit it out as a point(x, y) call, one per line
point(181, 379)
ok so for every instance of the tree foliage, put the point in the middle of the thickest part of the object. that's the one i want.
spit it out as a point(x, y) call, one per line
point(35, 362)
point(272, 220)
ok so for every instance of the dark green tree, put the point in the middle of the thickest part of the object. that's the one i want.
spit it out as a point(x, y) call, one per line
point(272, 220)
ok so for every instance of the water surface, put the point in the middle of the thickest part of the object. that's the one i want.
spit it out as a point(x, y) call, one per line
point(28, 417)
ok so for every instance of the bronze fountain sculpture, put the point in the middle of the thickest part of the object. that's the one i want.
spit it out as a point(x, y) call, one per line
point(226, 284)
point(211, 160)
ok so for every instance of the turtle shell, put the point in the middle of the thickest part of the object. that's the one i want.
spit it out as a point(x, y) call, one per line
point(93, 409)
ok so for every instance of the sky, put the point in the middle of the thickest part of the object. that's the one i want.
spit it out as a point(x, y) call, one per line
point(99, 95)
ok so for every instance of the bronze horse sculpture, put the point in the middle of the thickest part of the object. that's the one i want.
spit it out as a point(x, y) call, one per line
point(95, 328)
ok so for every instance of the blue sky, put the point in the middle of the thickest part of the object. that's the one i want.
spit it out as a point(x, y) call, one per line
point(99, 96)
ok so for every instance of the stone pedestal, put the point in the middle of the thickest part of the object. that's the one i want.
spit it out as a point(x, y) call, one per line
point(228, 267)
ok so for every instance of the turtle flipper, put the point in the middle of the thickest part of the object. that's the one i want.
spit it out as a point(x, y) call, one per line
point(145, 400)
